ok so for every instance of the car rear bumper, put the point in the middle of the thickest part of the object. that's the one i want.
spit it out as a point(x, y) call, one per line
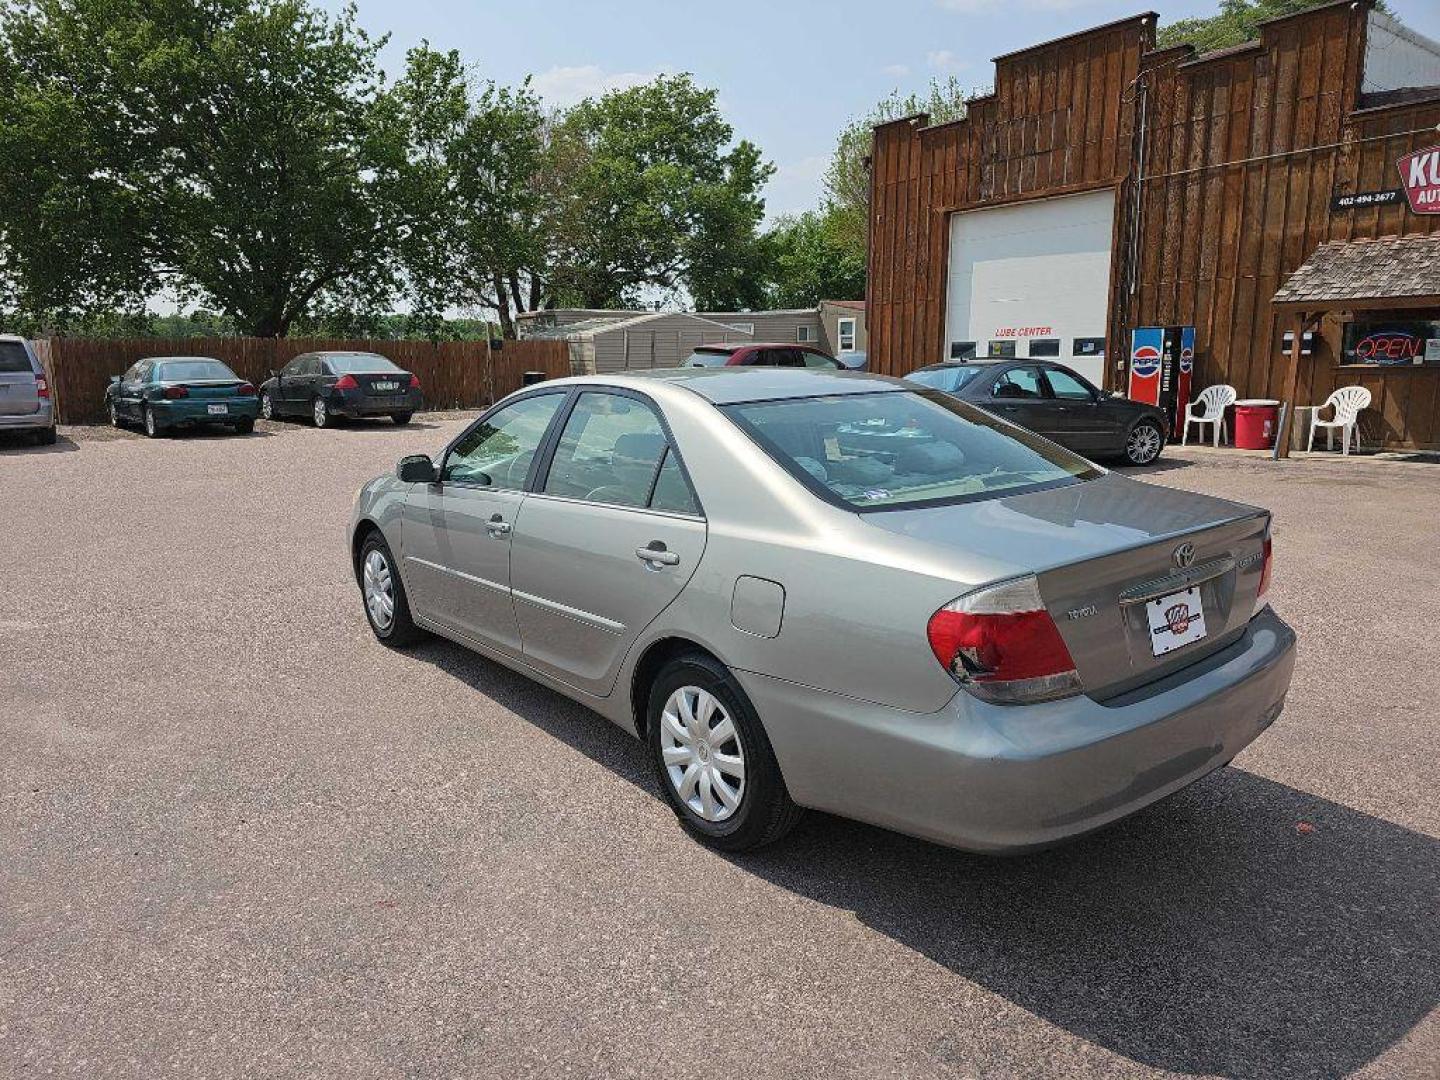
point(358, 403)
point(1005, 779)
point(44, 417)
point(175, 412)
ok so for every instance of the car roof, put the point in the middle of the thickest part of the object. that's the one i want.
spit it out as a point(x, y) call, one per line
point(730, 385)
point(736, 346)
point(169, 359)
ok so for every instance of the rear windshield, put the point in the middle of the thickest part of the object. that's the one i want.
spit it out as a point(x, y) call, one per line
point(188, 370)
point(359, 364)
point(13, 357)
point(946, 378)
point(890, 450)
point(701, 358)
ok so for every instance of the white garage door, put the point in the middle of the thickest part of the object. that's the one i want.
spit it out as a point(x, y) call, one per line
point(1033, 280)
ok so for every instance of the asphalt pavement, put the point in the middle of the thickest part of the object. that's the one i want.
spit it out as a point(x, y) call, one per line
point(238, 837)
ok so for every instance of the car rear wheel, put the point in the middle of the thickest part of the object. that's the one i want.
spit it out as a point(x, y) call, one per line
point(401, 417)
point(712, 758)
point(244, 427)
point(386, 606)
point(320, 413)
point(1144, 443)
point(46, 437)
point(267, 406)
point(152, 426)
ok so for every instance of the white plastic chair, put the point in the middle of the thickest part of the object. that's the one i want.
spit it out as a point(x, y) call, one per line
point(1348, 403)
point(1215, 400)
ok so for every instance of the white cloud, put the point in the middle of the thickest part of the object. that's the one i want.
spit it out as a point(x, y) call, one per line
point(795, 187)
point(897, 71)
point(945, 60)
point(564, 86)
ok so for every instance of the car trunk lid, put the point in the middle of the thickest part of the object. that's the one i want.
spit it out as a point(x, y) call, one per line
point(1102, 551)
point(210, 388)
point(19, 390)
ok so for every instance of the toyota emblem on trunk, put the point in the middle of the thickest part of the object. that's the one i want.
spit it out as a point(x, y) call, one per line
point(1184, 555)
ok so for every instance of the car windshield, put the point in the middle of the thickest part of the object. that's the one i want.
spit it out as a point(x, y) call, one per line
point(192, 370)
point(945, 378)
point(702, 358)
point(359, 364)
point(890, 450)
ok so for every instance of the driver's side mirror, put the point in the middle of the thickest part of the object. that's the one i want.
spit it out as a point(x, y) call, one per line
point(417, 469)
point(114, 380)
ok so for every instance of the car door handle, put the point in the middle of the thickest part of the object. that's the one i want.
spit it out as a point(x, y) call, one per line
point(657, 557)
point(497, 527)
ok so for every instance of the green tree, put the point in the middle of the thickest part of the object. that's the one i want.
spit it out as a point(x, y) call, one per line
point(808, 262)
point(1237, 22)
point(847, 178)
point(232, 149)
point(656, 198)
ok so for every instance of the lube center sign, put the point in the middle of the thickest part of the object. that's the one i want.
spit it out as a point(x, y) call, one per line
point(1420, 173)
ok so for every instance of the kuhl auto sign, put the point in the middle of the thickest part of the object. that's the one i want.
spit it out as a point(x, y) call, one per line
point(1420, 173)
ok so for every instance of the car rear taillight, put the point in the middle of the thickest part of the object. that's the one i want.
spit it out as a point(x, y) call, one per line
point(346, 382)
point(414, 382)
point(1260, 599)
point(245, 390)
point(1001, 645)
point(173, 392)
point(42, 386)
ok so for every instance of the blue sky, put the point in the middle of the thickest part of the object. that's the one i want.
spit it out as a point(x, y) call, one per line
point(790, 73)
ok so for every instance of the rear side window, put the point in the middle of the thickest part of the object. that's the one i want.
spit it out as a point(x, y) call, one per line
point(888, 451)
point(672, 490)
point(609, 451)
point(13, 357)
point(702, 358)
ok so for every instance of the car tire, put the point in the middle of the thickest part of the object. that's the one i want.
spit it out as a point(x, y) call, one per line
point(378, 576)
point(401, 418)
point(267, 407)
point(320, 413)
point(763, 811)
point(1143, 443)
point(46, 437)
point(244, 427)
point(114, 413)
point(153, 430)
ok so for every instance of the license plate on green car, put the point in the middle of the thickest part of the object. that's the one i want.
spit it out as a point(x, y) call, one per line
point(217, 410)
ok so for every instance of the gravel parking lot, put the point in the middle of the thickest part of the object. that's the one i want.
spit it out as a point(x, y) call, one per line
point(240, 838)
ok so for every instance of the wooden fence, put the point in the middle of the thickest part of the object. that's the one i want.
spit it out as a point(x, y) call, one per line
point(453, 374)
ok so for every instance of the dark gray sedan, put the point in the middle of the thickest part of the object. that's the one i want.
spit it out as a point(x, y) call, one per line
point(1055, 402)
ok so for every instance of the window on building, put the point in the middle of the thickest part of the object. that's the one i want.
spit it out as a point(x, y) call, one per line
point(962, 350)
point(1087, 346)
point(1044, 347)
point(743, 327)
point(845, 331)
point(802, 334)
point(1001, 350)
point(1391, 342)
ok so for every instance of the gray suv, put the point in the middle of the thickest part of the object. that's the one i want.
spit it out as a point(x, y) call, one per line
point(25, 402)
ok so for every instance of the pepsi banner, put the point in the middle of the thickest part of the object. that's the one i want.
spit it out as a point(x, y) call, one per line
point(1182, 383)
point(1146, 350)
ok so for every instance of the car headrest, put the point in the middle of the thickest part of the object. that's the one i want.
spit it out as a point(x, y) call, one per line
point(929, 457)
point(644, 446)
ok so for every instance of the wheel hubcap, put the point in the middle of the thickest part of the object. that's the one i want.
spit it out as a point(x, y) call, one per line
point(703, 756)
point(1144, 443)
point(266, 408)
point(319, 412)
point(150, 422)
point(379, 590)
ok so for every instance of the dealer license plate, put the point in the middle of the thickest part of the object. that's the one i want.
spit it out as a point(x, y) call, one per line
point(1175, 620)
point(387, 386)
point(217, 410)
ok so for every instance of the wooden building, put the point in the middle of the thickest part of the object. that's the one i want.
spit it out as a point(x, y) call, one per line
point(1106, 185)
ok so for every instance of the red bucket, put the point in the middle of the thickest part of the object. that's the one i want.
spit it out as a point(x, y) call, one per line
point(1255, 423)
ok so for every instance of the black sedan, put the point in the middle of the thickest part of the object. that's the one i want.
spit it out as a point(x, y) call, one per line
point(327, 385)
point(1056, 402)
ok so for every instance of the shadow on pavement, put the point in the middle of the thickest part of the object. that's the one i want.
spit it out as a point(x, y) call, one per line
point(14, 443)
point(1240, 928)
point(1162, 464)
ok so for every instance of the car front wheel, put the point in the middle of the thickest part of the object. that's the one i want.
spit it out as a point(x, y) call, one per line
point(1144, 443)
point(712, 758)
point(114, 413)
point(267, 407)
point(386, 606)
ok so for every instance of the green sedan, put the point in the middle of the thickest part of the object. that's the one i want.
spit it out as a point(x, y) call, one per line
point(161, 393)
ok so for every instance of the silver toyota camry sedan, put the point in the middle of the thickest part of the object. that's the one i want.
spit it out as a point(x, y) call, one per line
point(825, 589)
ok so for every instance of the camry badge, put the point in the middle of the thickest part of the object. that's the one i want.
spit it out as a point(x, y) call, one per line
point(1184, 555)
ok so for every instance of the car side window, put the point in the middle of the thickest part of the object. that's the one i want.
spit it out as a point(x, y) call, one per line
point(131, 374)
point(609, 451)
point(1067, 387)
point(498, 451)
point(1019, 383)
point(672, 490)
point(293, 367)
point(143, 370)
point(816, 360)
